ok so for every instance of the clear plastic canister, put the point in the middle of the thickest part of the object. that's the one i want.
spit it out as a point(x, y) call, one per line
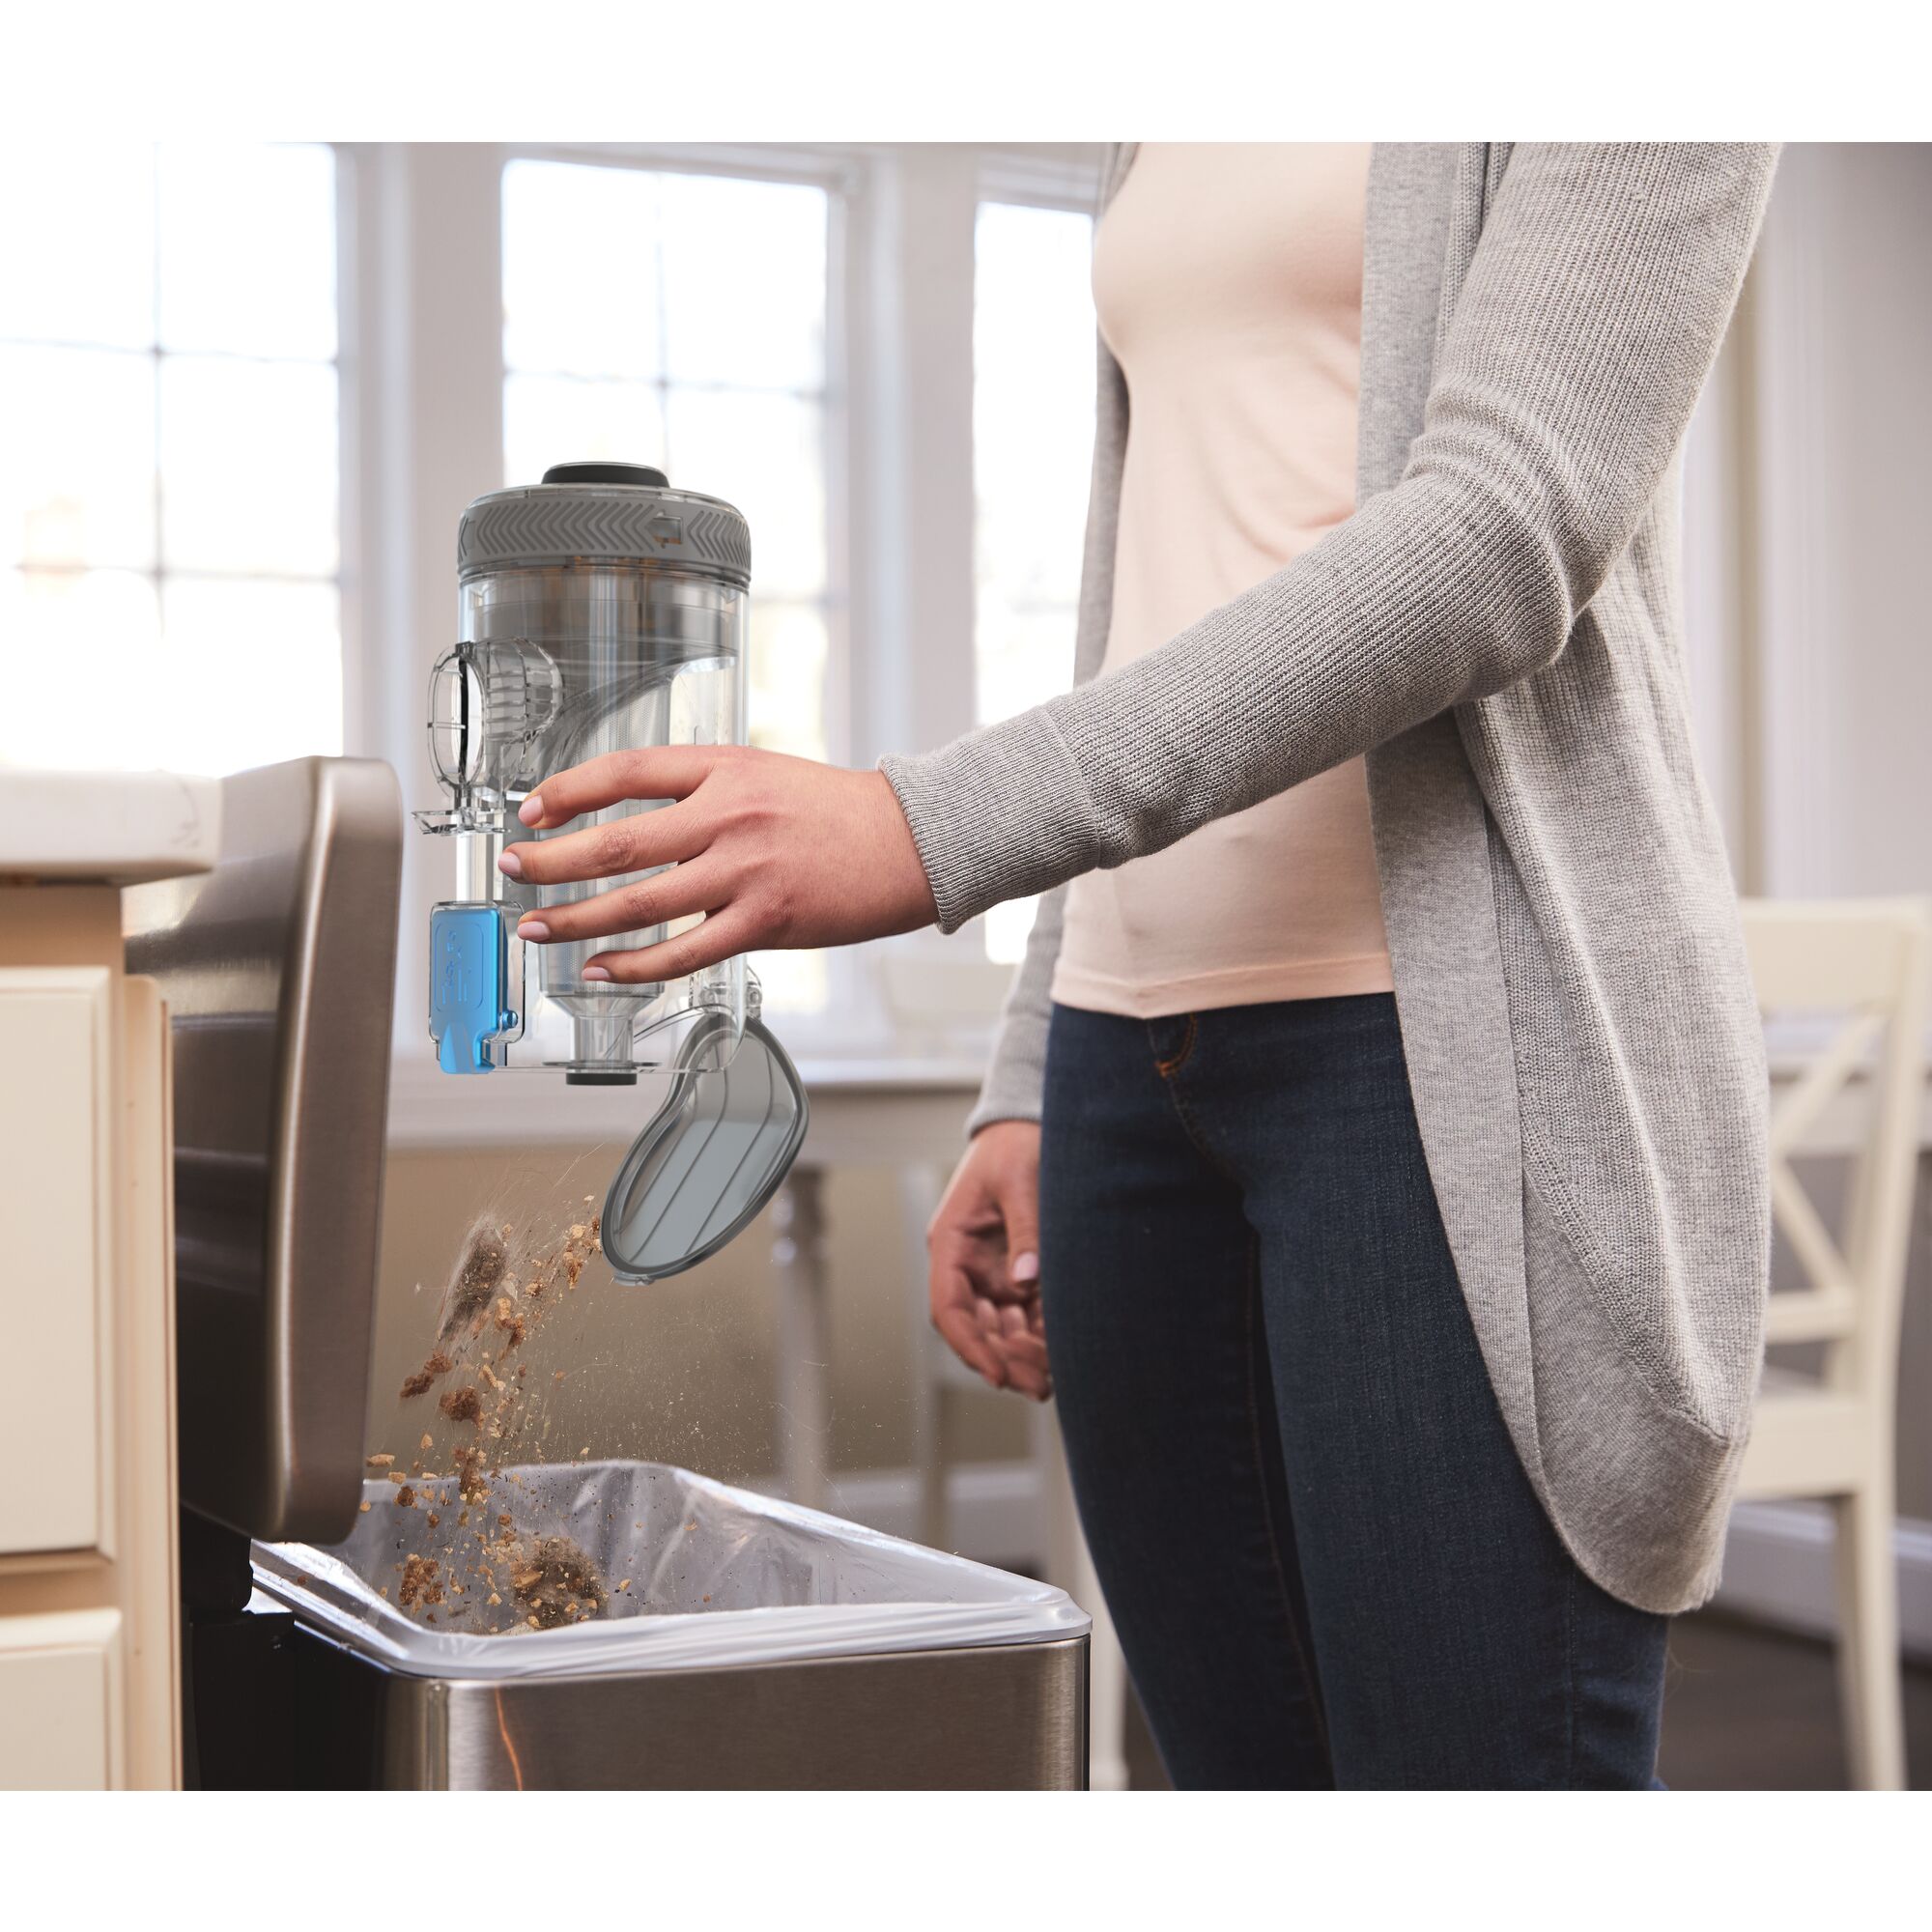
point(600, 612)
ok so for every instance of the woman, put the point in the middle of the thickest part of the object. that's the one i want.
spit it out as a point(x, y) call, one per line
point(1374, 1147)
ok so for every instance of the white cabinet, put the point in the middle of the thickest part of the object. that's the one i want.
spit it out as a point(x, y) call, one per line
point(60, 1692)
point(56, 1166)
point(90, 1645)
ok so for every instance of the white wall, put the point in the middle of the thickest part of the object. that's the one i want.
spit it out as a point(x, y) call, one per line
point(1842, 387)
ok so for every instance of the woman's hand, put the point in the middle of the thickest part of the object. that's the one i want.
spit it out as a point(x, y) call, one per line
point(773, 851)
point(984, 1249)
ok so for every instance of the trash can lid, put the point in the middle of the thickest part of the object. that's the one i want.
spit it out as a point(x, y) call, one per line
point(711, 1156)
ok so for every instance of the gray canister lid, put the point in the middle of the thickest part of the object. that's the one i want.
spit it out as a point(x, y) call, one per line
point(713, 1155)
point(604, 513)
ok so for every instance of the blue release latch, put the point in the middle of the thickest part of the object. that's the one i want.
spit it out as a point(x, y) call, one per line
point(472, 1006)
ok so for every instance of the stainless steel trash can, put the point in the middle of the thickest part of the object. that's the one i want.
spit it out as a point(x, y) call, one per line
point(753, 1644)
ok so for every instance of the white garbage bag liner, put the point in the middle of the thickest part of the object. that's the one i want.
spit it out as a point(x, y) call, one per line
point(719, 1577)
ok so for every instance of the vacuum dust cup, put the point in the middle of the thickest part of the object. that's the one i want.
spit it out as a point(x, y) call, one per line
point(599, 611)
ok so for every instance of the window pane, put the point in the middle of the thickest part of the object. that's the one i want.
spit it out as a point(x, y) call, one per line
point(1007, 927)
point(787, 688)
point(1032, 443)
point(562, 418)
point(77, 456)
point(743, 277)
point(792, 983)
point(248, 466)
point(581, 284)
point(1026, 656)
point(253, 673)
point(247, 250)
point(766, 454)
point(77, 238)
point(1032, 440)
point(80, 663)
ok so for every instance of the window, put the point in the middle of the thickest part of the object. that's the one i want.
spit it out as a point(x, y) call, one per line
point(680, 319)
point(169, 498)
point(1033, 442)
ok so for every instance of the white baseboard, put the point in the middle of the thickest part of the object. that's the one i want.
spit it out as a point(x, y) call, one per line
point(1777, 1568)
point(992, 1509)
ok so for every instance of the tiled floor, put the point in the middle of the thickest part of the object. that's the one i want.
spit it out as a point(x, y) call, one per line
point(1745, 1709)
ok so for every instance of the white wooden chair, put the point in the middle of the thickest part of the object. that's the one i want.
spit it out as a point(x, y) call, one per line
point(1832, 1437)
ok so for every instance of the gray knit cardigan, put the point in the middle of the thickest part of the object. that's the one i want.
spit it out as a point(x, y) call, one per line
point(1497, 629)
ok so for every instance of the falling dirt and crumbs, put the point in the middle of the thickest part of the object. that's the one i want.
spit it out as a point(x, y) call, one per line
point(498, 1293)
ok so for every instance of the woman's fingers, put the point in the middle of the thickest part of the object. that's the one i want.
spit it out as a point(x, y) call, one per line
point(719, 936)
point(665, 836)
point(675, 893)
point(659, 771)
point(1024, 1354)
point(955, 1313)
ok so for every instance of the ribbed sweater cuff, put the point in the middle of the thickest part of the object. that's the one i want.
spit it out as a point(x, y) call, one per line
point(997, 815)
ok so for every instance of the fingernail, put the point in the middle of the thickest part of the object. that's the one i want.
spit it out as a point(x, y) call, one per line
point(532, 928)
point(593, 973)
point(530, 812)
point(1025, 1268)
point(510, 865)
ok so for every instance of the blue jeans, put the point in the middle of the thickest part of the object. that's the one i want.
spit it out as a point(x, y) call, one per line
point(1324, 1558)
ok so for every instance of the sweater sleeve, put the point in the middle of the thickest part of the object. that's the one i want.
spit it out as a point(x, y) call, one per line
point(1594, 305)
point(1016, 1075)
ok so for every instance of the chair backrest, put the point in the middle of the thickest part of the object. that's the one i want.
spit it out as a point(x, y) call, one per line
point(1865, 961)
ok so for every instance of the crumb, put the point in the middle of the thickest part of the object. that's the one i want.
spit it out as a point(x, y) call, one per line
point(405, 1498)
point(433, 1520)
point(428, 1441)
point(462, 1404)
point(432, 1371)
point(365, 1509)
point(420, 1581)
point(469, 1475)
point(380, 1462)
point(397, 1476)
point(707, 1600)
point(557, 1377)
